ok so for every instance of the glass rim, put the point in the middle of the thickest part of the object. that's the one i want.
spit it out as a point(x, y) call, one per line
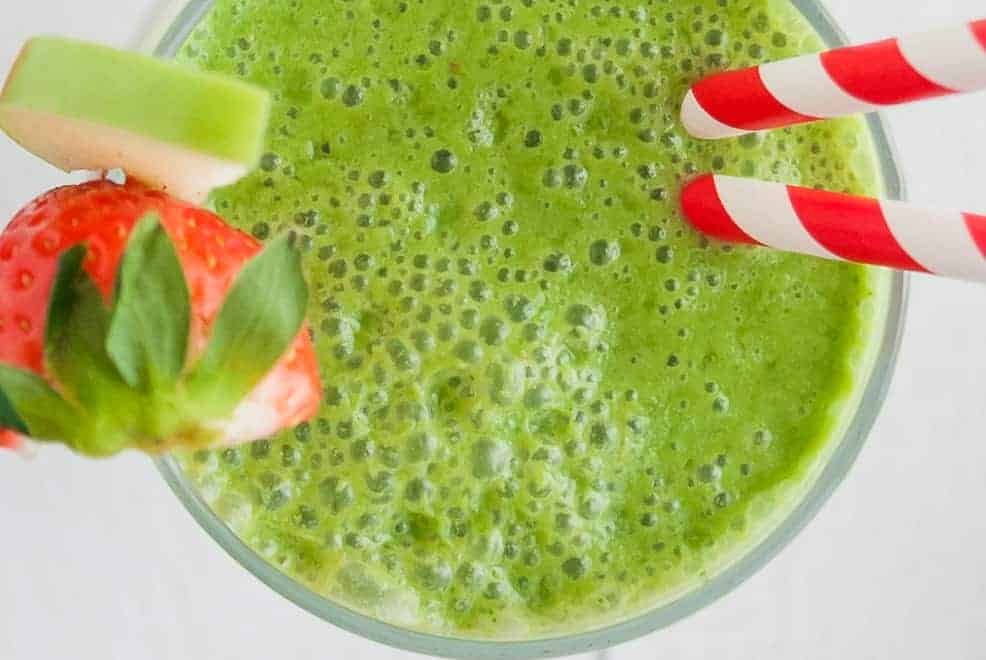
point(164, 36)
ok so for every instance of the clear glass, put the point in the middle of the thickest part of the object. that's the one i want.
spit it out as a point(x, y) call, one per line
point(166, 35)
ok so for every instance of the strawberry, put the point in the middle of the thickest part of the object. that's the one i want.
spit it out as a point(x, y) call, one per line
point(129, 319)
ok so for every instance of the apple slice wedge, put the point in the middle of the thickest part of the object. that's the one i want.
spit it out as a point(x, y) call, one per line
point(83, 106)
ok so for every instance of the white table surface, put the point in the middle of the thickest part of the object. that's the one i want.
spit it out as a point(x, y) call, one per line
point(99, 561)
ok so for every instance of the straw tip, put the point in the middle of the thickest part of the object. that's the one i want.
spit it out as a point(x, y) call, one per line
point(703, 208)
point(697, 194)
point(699, 123)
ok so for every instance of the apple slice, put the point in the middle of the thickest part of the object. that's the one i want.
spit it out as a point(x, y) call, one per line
point(83, 106)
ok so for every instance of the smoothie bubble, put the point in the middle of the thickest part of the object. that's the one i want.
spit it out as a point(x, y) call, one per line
point(603, 253)
point(352, 96)
point(469, 351)
point(443, 161)
point(538, 396)
point(435, 575)
point(421, 447)
point(533, 139)
point(494, 331)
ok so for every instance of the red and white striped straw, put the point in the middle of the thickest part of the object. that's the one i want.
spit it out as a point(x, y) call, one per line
point(838, 226)
point(838, 82)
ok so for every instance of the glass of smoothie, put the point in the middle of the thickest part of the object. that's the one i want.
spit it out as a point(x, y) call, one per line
point(555, 417)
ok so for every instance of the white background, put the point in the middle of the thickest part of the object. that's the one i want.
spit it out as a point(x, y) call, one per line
point(99, 561)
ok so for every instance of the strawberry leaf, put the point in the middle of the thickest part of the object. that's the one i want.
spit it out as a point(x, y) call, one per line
point(148, 331)
point(263, 313)
point(35, 408)
point(75, 338)
point(63, 293)
point(9, 419)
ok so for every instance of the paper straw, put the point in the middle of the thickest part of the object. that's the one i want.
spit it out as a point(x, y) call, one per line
point(838, 82)
point(838, 226)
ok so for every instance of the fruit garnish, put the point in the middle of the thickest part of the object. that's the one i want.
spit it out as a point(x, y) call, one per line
point(83, 106)
point(131, 319)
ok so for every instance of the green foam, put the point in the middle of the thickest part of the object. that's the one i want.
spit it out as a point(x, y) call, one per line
point(549, 403)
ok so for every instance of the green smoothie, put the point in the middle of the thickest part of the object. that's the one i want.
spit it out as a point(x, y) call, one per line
point(550, 404)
